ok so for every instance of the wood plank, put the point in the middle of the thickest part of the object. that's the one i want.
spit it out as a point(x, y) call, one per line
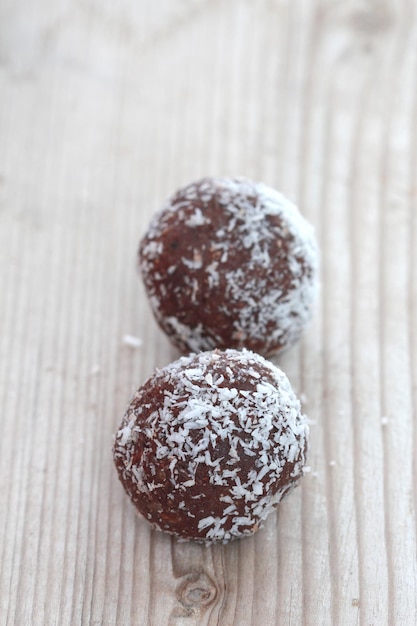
point(105, 109)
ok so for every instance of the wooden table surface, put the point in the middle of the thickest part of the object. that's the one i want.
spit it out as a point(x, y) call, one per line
point(105, 109)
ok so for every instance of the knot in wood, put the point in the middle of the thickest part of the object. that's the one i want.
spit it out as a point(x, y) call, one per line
point(372, 22)
point(198, 591)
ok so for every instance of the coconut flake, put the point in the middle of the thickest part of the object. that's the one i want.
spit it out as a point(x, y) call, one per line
point(260, 218)
point(202, 406)
point(132, 341)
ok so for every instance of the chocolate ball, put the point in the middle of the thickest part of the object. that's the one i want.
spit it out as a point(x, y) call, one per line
point(229, 263)
point(210, 444)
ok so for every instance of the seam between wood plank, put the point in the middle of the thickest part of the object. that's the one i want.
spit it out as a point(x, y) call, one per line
point(412, 295)
point(334, 565)
point(21, 306)
point(393, 62)
point(306, 122)
point(360, 504)
point(52, 332)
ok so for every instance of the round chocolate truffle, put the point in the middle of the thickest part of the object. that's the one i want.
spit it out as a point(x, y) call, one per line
point(229, 263)
point(210, 444)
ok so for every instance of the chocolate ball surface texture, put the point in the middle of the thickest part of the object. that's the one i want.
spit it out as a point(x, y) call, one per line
point(210, 444)
point(229, 263)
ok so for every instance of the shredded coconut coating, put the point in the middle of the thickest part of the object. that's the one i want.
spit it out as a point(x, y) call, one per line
point(210, 444)
point(229, 263)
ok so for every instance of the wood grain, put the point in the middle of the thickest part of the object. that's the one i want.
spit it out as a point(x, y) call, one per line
point(106, 108)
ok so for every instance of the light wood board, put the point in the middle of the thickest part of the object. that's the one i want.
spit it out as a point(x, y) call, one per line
point(105, 109)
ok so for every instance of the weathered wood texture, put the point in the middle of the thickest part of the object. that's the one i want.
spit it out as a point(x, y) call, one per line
point(105, 108)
